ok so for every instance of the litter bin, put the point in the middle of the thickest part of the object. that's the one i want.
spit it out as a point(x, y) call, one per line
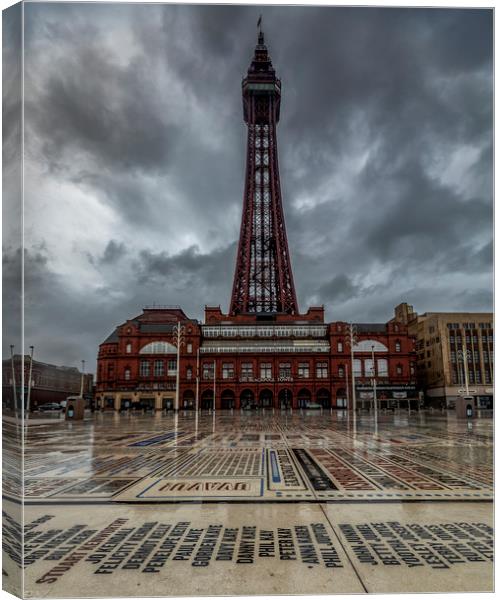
point(465, 407)
point(75, 409)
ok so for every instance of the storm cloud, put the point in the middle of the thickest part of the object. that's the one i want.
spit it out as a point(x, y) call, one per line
point(135, 158)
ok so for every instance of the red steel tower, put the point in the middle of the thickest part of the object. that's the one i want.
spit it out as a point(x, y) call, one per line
point(263, 281)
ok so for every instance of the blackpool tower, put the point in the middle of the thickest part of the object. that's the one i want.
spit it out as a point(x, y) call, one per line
point(263, 281)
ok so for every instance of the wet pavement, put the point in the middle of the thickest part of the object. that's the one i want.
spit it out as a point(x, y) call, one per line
point(250, 503)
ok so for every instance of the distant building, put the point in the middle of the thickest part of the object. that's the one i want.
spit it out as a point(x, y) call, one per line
point(443, 339)
point(49, 383)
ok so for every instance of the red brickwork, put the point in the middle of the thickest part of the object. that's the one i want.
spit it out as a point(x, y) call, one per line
point(261, 368)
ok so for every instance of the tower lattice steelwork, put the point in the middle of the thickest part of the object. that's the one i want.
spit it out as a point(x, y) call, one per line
point(263, 281)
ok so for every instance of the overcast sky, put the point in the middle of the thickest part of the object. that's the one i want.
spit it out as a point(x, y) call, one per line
point(135, 156)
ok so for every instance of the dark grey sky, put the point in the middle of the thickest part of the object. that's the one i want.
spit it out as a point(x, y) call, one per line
point(135, 155)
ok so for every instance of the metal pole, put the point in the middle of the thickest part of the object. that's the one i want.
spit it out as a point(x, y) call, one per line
point(196, 402)
point(32, 348)
point(346, 387)
point(352, 368)
point(81, 383)
point(374, 384)
point(13, 377)
point(466, 367)
point(214, 385)
point(177, 373)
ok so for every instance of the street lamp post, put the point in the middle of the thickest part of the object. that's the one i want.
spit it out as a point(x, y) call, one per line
point(179, 340)
point(196, 400)
point(13, 377)
point(81, 379)
point(374, 383)
point(32, 348)
point(351, 339)
point(346, 387)
point(215, 366)
point(465, 355)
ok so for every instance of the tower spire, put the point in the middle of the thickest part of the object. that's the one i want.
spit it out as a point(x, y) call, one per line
point(260, 40)
point(263, 280)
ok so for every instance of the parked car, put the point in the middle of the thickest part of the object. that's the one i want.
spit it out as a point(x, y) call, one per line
point(50, 406)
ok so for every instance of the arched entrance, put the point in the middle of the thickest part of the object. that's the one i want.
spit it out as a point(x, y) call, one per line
point(227, 400)
point(285, 399)
point(266, 398)
point(207, 400)
point(323, 398)
point(247, 400)
point(188, 400)
point(341, 398)
point(304, 398)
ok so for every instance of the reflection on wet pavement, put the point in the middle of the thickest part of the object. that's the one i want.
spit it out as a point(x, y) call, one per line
point(289, 503)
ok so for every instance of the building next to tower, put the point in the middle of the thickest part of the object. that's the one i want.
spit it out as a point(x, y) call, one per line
point(264, 353)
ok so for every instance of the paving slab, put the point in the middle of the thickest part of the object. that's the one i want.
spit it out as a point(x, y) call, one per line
point(225, 504)
point(418, 547)
point(184, 550)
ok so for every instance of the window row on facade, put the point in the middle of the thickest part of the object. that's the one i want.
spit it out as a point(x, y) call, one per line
point(264, 370)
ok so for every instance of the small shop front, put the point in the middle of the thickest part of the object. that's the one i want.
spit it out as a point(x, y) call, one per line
point(389, 396)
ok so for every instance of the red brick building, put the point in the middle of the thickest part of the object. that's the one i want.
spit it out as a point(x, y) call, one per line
point(260, 361)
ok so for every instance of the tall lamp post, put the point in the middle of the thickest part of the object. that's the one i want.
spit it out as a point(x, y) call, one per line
point(81, 379)
point(197, 398)
point(215, 367)
point(464, 356)
point(179, 331)
point(13, 377)
point(374, 382)
point(351, 339)
point(32, 349)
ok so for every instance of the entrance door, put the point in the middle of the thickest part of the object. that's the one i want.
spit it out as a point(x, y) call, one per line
point(148, 404)
point(266, 399)
point(323, 398)
point(304, 399)
point(168, 404)
point(247, 400)
point(188, 400)
point(207, 400)
point(227, 400)
point(285, 399)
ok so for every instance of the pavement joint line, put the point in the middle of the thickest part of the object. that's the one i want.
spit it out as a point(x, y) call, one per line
point(345, 551)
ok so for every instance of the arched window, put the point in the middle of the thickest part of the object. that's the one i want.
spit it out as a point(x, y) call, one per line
point(398, 346)
point(158, 348)
point(399, 369)
point(366, 346)
point(128, 348)
point(127, 373)
point(341, 371)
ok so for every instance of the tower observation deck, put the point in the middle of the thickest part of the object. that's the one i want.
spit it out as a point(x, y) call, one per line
point(263, 280)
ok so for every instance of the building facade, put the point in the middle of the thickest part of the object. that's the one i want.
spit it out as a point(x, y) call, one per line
point(454, 355)
point(49, 383)
point(263, 362)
